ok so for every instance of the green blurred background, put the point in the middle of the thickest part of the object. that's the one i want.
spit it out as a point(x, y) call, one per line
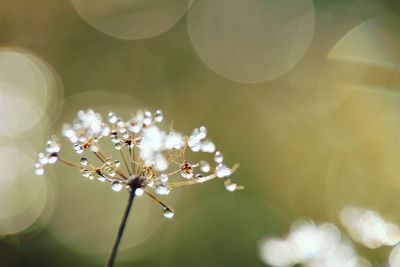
point(304, 94)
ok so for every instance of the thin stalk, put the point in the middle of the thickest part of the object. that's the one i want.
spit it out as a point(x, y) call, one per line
point(121, 229)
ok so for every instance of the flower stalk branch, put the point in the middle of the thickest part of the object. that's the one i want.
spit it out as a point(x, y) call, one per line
point(156, 161)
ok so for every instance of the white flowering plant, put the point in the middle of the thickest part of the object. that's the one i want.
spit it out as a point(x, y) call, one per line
point(155, 160)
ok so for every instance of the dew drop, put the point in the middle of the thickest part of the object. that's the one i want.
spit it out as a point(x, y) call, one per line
point(111, 172)
point(218, 157)
point(112, 118)
point(168, 213)
point(84, 161)
point(230, 186)
point(43, 159)
point(67, 131)
point(222, 170)
point(204, 166)
point(162, 190)
point(53, 158)
point(158, 116)
point(78, 148)
point(187, 174)
point(202, 133)
point(124, 133)
point(52, 146)
point(118, 146)
point(94, 148)
point(207, 146)
point(116, 186)
point(149, 183)
point(101, 178)
point(164, 178)
point(86, 173)
point(114, 137)
point(147, 118)
point(39, 171)
point(139, 192)
point(105, 130)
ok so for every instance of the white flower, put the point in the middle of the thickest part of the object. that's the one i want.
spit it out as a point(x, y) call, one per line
point(173, 141)
point(86, 125)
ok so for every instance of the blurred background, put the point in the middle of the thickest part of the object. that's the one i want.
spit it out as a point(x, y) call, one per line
point(304, 94)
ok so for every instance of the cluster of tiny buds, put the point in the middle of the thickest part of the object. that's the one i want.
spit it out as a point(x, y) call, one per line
point(152, 157)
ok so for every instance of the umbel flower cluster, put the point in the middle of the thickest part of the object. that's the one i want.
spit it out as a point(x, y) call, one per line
point(154, 160)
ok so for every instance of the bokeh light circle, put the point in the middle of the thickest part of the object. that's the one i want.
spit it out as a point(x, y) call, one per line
point(29, 87)
point(355, 63)
point(23, 196)
point(131, 20)
point(251, 41)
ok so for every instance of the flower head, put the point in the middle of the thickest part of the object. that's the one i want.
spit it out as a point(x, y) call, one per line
point(149, 160)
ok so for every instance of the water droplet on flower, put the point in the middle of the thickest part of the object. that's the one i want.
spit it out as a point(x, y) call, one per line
point(108, 162)
point(114, 137)
point(164, 178)
point(147, 118)
point(218, 157)
point(116, 186)
point(39, 171)
point(139, 191)
point(168, 213)
point(230, 186)
point(173, 141)
point(43, 159)
point(53, 158)
point(112, 118)
point(120, 123)
point(67, 131)
point(52, 145)
point(196, 147)
point(94, 148)
point(118, 146)
point(149, 182)
point(162, 190)
point(202, 133)
point(222, 170)
point(84, 161)
point(135, 128)
point(160, 162)
point(207, 146)
point(204, 166)
point(187, 174)
point(111, 172)
point(86, 173)
point(78, 148)
point(117, 163)
point(125, 134)
point(105, 130)
point(101, 178)
point(158, 116)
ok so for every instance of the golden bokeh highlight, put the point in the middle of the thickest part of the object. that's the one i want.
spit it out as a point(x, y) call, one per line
point(29, 89)
point(23, 196)
point(251, 41)
point(131, 20)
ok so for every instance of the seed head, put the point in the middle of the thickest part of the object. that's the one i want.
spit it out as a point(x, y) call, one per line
point(154, 160)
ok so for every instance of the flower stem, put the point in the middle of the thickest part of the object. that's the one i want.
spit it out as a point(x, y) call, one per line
point(121, 229)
